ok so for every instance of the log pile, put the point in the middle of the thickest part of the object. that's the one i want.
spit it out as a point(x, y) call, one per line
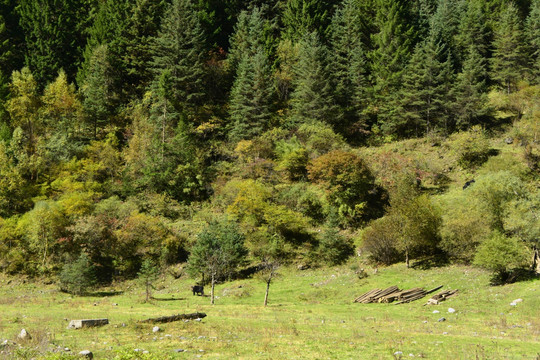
point(440, 297)
point(393, 293)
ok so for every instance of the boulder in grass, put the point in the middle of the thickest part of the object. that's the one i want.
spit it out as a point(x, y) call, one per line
point(24, 335)
point(86, 354)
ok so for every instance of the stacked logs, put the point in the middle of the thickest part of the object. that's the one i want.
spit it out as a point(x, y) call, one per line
point(392, 294)
point(375, 294)
point(440, 297)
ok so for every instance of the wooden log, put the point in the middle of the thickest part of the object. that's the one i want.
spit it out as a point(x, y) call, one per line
point(79, 324)
point(433, 290)
point(167, 319)
point(364, 296)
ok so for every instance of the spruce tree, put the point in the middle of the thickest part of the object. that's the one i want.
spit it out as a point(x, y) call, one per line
point(509, 54)
point(305, 16)
point(473, 31)
point(97, 90)
point(179, 49)
point(251, 97)
point(533, 38)
point(444, 26)
point(470, 91)
point(392, 44)
point(54, 33)
point(349, 68)
point(423, 102)
point(312, 98)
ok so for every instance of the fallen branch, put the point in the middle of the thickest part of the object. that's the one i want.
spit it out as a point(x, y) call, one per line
point(167, 319)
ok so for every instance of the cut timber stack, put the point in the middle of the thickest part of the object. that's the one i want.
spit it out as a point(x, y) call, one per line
point(393, 293)
point(440, 297)
point(374, 295)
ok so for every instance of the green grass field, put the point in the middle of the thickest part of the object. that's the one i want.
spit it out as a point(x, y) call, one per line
point(311, 315)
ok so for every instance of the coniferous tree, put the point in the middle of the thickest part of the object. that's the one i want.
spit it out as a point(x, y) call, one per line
point(470, 91)
point(249, 36)
point(305, 16)
point(251, 97)
point(444, 27)
point(179, 49)
point(509, 54)
point(312, 98)
point(97, 90)
point(349, 68)
point(54, 33)
point(392, 47)
point(424, 102)
point(533, 37)
point(473, 31)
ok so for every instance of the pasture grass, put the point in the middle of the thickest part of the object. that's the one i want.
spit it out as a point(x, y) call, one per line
point(310, 316)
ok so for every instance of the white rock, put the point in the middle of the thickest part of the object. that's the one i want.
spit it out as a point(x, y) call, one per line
point(451, 310)
point(513, 304)
point(87, 354)
point(436, 311)
point(517, 301)
point(24, 335)
point(398, 353)
point(156, 329)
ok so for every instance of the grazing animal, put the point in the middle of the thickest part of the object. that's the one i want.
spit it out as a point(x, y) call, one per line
point(198, 289)
point(468, 183)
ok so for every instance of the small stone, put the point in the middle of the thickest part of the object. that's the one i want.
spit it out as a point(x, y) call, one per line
point(442, 319)
point(513, 304)
point(95, 304)
point(67, 349)
point(201, 350)
point(451, 310)
point(168, 336)
point(398, 353)
point(517, 301)
point(24, 335)
point(156, 329)
point(114, 304)
point(436, 311)
point(179, 350)
point(198, 319)
point(87, 354)
point(146, 352)
point(425, 321)
point(508, 140)
point(411, 355)
point(445, 333)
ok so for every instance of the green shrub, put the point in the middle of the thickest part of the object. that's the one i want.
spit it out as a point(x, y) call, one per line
point(471, 147)
point(78, 277)
point(334, 249)
point(502, 255)
point(378, 240)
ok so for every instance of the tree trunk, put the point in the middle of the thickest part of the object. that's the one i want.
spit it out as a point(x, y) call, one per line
point(407, 257)
point(266, 294)
point(212, 291)
point(536, 260)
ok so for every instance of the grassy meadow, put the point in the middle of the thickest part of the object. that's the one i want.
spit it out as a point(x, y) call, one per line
point(311, 315)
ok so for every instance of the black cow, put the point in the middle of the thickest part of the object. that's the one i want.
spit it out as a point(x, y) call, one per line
point(198, 289)
point(468, 183)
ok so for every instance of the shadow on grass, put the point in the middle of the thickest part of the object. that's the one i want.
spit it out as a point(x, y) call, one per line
point(435, 261)
point(167, 299)
point(103, 293)
point(518, 275)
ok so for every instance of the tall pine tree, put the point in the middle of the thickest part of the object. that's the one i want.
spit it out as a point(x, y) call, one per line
point(349, 69)
point(55, 31)
point(392, 43)
point(306, 16)
point(509, 55)
point(533, 37)
point(252, 92)
point(470, 91)
point(312, 98)
point(423, 104)
point(179, 50)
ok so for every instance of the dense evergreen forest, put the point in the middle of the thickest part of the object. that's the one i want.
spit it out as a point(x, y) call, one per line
point(227, 133)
